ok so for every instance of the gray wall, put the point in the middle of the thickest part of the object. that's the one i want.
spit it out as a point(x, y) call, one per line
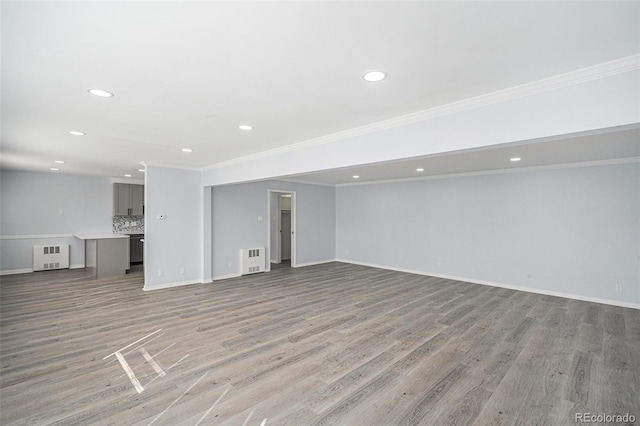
point(30, 206)
point(235, 225)
point(576, 231)
point(177, 241)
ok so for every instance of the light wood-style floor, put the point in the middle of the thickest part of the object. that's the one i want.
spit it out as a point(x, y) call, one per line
point(327, 344)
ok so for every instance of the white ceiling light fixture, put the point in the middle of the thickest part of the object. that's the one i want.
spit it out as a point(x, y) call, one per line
point(59, 162)
point(356, 177)
point(245, 127)
point(55, 169)
point(101, 93)
point(187, 150)
point(374, 76)
point(76, 133)
point(142, 170)
point(419, 169)
point(515, 159)
point(127, 175)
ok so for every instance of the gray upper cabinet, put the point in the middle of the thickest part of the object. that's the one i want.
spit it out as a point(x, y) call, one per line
point(137, 200)
point(128, 200)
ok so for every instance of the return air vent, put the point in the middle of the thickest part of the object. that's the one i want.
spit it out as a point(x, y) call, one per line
point(50, 257)
point(252, 260)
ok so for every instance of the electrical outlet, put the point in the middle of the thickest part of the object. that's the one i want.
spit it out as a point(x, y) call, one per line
point(619, 288)
point(182, 269)
point(230, 263)
point(160, 272)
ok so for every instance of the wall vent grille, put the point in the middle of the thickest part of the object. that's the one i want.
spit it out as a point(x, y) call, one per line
point(252, 260)
point(50, 257)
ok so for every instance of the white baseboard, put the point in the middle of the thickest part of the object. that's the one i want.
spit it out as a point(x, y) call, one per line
point(171, 285)
point(319, 262)
point(226, 277)
point(16, 271)
point(30, 270)
point(501, 285)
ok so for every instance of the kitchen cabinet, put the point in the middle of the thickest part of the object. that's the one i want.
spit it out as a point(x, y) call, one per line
point(128, 199)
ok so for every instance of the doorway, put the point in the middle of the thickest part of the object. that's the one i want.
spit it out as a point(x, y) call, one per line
point(282, 229)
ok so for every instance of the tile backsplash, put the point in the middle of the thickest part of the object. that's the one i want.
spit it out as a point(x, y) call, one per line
point(128, 224)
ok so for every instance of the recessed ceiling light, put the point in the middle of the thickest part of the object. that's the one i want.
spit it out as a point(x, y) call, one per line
point(373, 76)
point(245, 127)
point(101, 93)
point(515, 159)
point(141, 170)
point(356, 177)
point(55, 169)
point(420, 169)
point(127, 175)
point(187, 150)
point(59, 162)
point(76, 133)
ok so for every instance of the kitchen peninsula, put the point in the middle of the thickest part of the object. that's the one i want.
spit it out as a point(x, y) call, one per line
point(105, 254)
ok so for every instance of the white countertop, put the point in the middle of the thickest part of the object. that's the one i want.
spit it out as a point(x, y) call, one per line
point(99, 236)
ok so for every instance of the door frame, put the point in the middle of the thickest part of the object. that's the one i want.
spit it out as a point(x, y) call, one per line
point(294, 233)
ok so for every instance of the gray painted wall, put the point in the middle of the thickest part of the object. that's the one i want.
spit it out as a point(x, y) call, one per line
point(30, 205)
point(576, 231)
point(177, 241)
point(235, 223)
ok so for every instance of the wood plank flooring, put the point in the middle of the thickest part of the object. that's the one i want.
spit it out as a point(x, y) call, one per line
point(332, 344)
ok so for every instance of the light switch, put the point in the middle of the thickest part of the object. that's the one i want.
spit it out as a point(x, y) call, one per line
point(259, 218)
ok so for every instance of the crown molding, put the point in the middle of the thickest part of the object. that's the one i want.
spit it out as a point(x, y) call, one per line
point(583, 75)
point(170, 166)
point(304, 182)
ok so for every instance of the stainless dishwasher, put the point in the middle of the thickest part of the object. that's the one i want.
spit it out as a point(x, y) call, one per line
point(136, 249)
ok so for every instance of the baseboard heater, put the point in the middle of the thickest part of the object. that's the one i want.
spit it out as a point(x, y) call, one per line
point(252, 260)
point(50, 257)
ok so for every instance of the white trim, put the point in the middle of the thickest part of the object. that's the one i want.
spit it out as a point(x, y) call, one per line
point(169, 166)
point(30, 270)
point(319, 262)
point(294, 229)
point(16, 271)
point(33, 237)
point(305, 182)
point(501, 285)
point(170, 285)
point(594, 163)
point(226, 277)
point(583, 75)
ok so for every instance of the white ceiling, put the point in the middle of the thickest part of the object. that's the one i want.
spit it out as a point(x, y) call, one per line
point(186, 74)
